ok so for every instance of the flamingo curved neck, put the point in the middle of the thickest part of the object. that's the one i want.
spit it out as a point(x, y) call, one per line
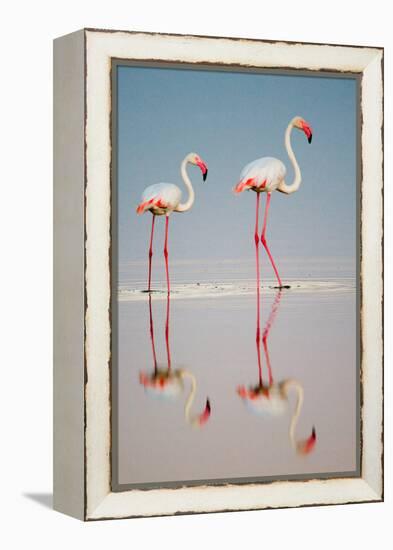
point(299, 404)
point(183, 207)
point(283, 187)
point(191, 396)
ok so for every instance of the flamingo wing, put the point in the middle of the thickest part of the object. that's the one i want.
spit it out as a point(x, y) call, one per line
point(264, 174)
point(165, 196)
point(161, 385)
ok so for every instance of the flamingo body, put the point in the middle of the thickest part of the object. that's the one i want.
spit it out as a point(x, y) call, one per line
point(163, 384)
point(264, 400)
point(261, 175)
point(160, 199)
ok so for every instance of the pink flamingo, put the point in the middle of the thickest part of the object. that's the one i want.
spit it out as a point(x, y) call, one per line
point(266, 175)
point(163, 199)
point(171, 384)
point(272, 399)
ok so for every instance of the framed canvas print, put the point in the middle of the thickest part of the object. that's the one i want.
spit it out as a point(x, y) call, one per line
point(218, 274)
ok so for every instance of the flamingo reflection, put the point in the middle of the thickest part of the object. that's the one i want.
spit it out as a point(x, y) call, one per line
point(272, 399)
point(172, 384)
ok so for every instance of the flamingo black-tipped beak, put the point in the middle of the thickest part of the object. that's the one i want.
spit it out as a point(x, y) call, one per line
point(203, 167)
point(307, 130)
point(307, 446)
point(204, 417)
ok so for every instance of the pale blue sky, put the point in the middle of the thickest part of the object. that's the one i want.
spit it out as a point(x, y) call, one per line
point(230, 119)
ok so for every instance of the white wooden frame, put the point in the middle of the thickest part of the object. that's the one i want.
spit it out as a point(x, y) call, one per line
point(82, 107)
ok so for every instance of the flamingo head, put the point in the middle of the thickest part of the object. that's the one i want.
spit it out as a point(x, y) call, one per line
point(204, 417)
point(196, 159)
point(201, 419)
point(306, 446)
point(299, 123)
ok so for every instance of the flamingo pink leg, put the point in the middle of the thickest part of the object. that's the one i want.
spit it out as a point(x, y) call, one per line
point(258, 332)
point(264, 242)
point(151, 250)
point(266, 331)
point(168, 351)
point(166, 253)
point(269, 368)
point(152, 335)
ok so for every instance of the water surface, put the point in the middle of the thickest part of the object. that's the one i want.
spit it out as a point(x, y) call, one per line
point(312, 339)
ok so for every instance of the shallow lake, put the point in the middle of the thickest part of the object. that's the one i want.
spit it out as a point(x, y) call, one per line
point(310, 339)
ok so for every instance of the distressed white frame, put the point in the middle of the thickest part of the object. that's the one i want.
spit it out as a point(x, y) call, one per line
point(100, 48)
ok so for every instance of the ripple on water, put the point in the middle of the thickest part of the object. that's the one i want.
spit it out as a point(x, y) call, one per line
point(217, 289)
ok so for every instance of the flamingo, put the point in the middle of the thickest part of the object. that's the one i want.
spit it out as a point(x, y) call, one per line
point(273, 399)
point(164, 198)
point(170, 384)
point(266, 175)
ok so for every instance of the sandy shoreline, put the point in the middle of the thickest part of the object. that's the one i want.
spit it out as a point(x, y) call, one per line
point(245, 287)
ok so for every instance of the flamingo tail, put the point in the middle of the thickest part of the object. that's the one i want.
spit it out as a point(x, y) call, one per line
point(146, 205)
point(249, 183)
point(242, 185)
point(143, 206)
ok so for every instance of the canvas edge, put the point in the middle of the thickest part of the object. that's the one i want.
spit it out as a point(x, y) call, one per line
point(68, 271)
point(372, 296)
point(101, 503)
point(235, 38)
